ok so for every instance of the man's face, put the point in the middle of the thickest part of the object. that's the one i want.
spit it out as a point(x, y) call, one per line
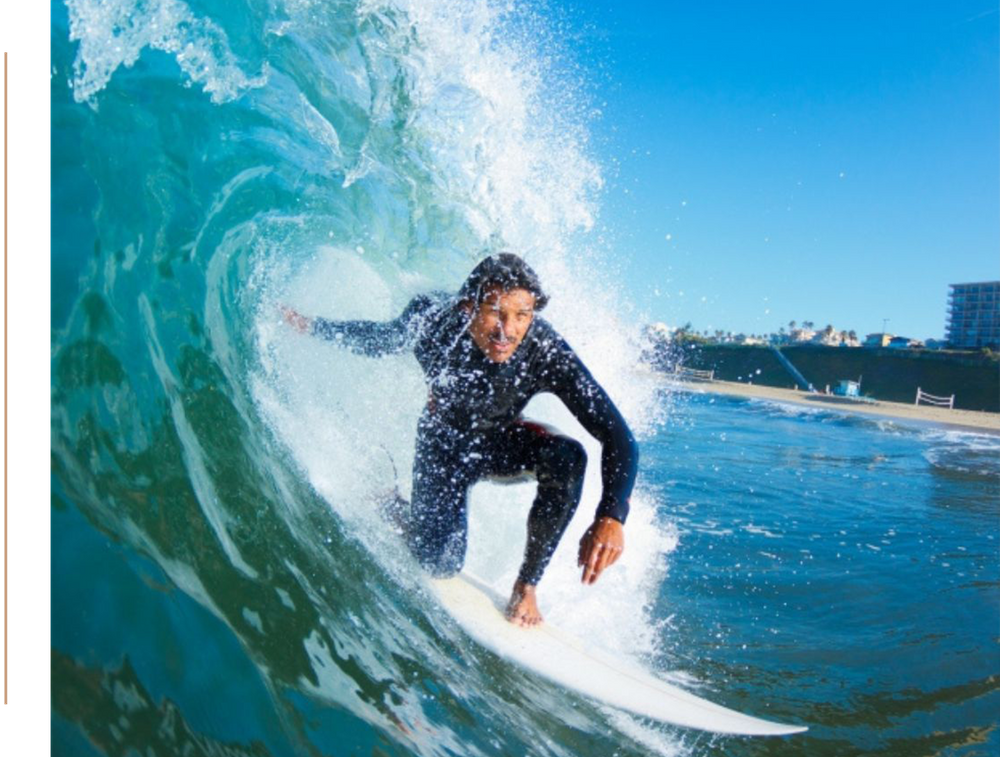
point(501, 321)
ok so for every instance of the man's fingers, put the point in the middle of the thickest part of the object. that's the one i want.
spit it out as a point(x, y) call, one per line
point(596, 562)
point(600, 547)
point(594, 558)
point(604, 561)
point(613, 554)
point(601, 556)
point(588, 561)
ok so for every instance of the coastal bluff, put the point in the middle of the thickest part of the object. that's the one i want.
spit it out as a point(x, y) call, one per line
point(885, 374)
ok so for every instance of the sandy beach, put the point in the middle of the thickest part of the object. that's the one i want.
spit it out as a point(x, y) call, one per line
point(968, 420)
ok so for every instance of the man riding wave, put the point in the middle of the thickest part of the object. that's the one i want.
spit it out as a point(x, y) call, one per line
point(485, 354)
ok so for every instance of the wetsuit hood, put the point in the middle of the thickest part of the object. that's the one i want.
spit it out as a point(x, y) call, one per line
point(507, 271)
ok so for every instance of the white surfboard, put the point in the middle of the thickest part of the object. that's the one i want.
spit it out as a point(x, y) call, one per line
point(569, 662)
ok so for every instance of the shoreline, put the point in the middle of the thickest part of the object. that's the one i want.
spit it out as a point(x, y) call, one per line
point(965, 420)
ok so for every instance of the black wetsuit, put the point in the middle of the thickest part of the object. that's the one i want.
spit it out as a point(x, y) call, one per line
point(472, 428)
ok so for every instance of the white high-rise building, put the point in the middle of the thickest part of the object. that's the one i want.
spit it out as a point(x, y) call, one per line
point(974, 316)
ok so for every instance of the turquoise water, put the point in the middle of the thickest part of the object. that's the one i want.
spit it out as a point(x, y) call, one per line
point(220, 582)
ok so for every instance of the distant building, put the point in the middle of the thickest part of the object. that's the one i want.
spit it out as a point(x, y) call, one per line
point(828, 338)
point(878, 340)
point(974, 316)
point(905, 343)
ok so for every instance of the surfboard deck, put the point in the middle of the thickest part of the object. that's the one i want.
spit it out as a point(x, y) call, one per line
point(569, 662)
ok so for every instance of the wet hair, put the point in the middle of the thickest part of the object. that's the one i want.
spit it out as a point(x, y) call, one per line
point(507, 271)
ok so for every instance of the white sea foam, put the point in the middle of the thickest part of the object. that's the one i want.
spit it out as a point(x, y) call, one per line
point(962, 451)
point(113, 33)
point(656, 738)
point(750, 528)
point(487, 139)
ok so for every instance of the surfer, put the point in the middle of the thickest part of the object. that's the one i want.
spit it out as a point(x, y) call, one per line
point(484, 354)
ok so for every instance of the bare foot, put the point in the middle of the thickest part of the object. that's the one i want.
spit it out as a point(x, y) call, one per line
point(522, 609)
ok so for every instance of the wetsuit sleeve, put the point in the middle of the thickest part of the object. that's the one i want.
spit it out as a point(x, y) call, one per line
point(590, 404)
point(377, 338)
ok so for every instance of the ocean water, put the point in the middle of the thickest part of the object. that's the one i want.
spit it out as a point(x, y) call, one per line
point(220, 581)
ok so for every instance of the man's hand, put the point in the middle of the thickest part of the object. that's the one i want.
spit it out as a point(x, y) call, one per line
point(600, 548)
point(295, 319)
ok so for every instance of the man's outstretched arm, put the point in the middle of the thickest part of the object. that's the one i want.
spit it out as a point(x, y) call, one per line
point(371, 338)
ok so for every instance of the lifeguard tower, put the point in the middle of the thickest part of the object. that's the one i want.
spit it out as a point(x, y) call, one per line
point(847, 388)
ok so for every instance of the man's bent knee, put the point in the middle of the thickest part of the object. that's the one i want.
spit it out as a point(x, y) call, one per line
point(567, 460)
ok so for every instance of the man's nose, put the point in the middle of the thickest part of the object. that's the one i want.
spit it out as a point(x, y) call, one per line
point(507, 326)
point(504, 329)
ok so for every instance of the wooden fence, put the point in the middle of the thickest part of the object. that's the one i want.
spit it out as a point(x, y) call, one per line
point(930, 399)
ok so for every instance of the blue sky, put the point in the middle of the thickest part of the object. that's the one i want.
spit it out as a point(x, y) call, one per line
point(837, 162)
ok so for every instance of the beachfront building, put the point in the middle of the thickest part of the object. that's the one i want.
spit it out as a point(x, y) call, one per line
point(974, 316)
point(744, 340)
point(878, 340)
point(905, 343)
point(828, 337)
